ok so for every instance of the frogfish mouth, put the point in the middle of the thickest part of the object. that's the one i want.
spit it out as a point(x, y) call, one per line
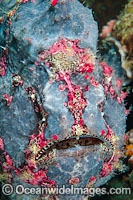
point(74, 147)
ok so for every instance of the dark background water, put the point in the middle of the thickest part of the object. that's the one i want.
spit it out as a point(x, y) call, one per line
point(104, 10)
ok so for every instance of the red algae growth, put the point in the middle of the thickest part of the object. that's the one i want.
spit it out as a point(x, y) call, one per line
point(54, 2)
point(3, 66)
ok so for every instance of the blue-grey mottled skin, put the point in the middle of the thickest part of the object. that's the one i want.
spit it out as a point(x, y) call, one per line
point(111, 54)
point(37, 21)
